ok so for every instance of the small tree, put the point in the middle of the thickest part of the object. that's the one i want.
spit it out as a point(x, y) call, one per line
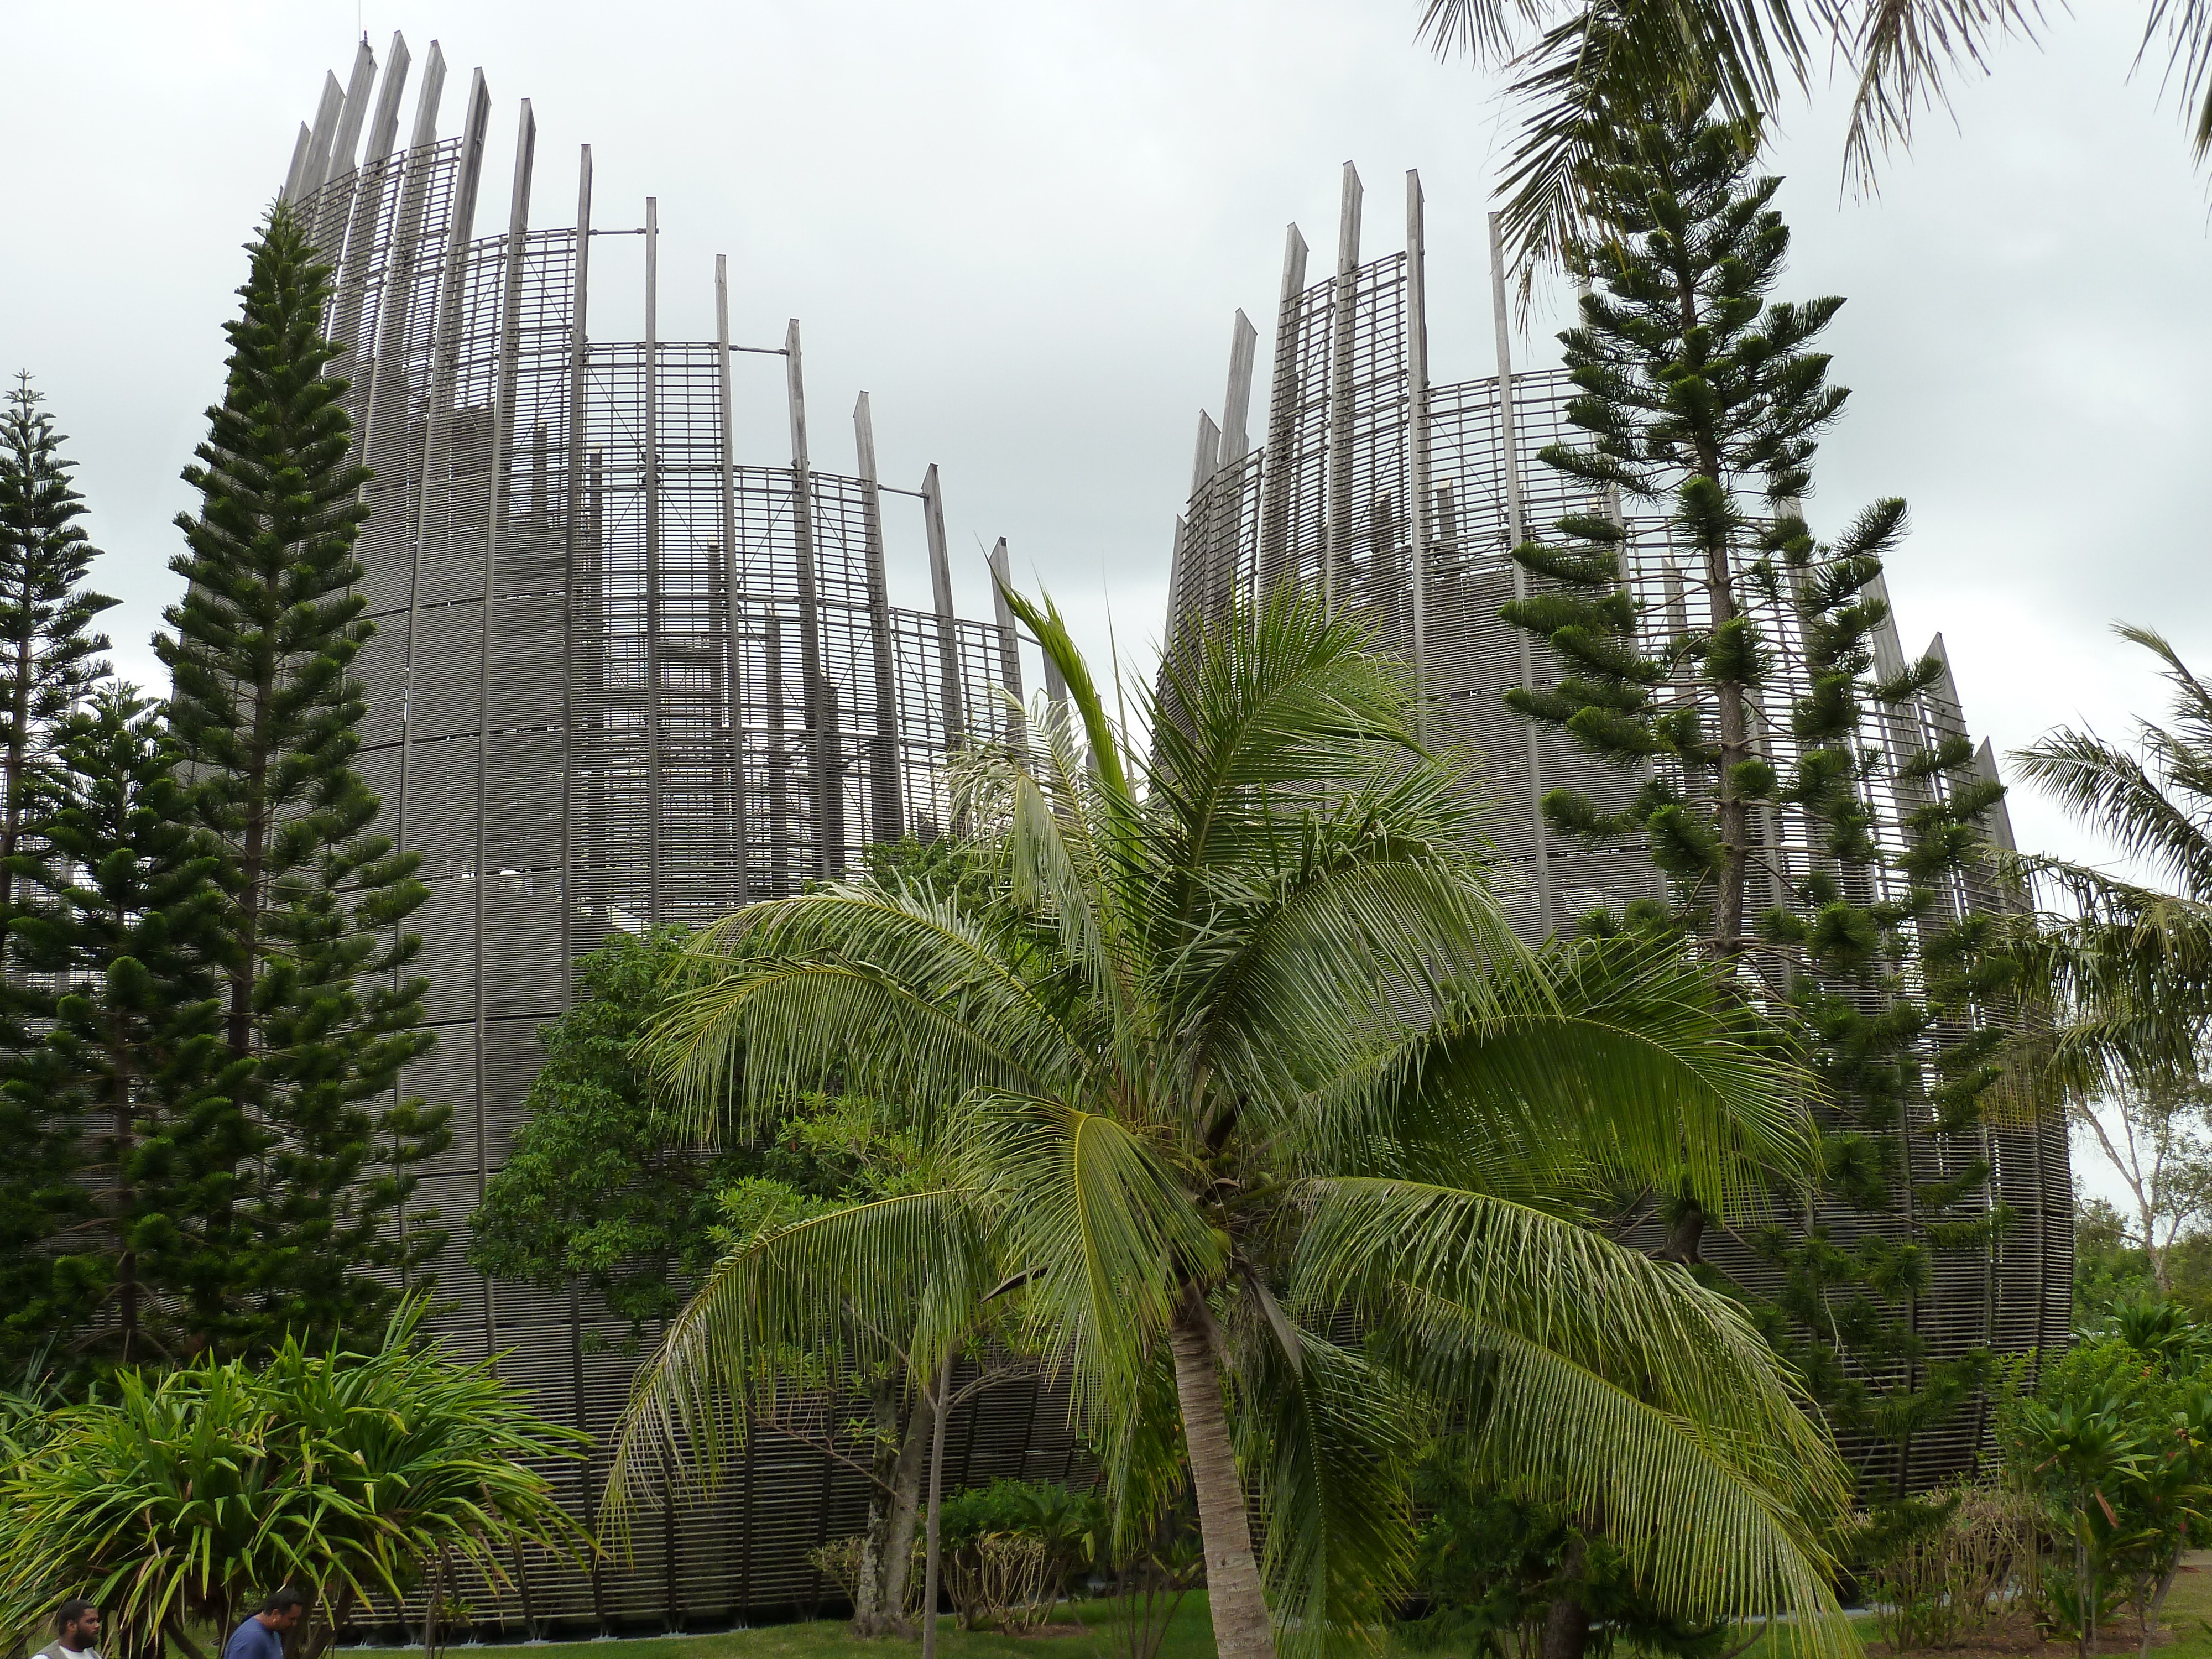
point(2152, 1134)
point(599, 1189)
point(131, 927)
point(266, 713)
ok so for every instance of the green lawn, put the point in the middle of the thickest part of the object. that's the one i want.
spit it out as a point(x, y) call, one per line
point(2188, 1623)
point(1190, 1637)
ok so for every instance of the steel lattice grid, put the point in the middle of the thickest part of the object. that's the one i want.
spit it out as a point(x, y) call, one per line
point(1474, 657)
point(789, 716)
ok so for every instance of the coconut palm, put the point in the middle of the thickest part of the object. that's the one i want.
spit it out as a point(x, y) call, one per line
point(2130, 962)
point(1574, 59)
point(1239, 1055)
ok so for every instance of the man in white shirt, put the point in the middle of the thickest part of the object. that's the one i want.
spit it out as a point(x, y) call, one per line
point(76, 1627)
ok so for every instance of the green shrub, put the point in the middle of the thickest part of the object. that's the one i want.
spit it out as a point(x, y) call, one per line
point(178, 1499)
point(2114, 1445)
point(1009, 1548)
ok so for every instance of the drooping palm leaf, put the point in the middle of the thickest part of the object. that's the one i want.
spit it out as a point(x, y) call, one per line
point(1618, 1383)
point(1575, 60)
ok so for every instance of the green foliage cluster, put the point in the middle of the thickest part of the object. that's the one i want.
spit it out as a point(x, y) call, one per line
point(1491, 1561)
point(1010, 1549)
point(205, 994)
point(1700, 396)
point(2115, 1442)
point(2110, 1271)
point(1073, 1524)
point(604, 1188)
point(173, 1499)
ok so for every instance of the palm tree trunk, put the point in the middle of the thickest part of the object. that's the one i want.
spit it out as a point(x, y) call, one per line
point(1240, 1627)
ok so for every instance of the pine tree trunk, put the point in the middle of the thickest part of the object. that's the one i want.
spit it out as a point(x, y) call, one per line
point(1241, 1626)
point(127, 1140)
point(11, 813)
point(1730, 815)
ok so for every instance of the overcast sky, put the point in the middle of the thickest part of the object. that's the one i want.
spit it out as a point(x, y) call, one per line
point(1024, 229)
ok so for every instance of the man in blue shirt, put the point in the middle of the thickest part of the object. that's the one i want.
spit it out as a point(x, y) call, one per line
point(261, 1636)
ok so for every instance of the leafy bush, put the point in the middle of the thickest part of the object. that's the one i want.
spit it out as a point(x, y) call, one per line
point(2115, 1447)
point(1946, 1564)
point(1490, 1562)
point(1009, 1548)
point(179, 1499)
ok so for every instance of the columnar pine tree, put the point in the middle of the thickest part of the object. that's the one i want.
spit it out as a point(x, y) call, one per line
point(1703, 400)
point(131, 928)
point(266, 713)
point(48, 656)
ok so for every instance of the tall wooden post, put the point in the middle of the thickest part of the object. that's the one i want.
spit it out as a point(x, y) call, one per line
point(1517, 532)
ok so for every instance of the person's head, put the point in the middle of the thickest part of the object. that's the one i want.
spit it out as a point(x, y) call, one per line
point(282, 1609)
point(77, 1623)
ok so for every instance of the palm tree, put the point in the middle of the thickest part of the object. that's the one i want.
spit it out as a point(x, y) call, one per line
point(1575, 59)
point(2129, 963)
point(1241, 1054)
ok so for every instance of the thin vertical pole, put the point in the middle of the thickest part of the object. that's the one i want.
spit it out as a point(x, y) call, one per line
point(1417, 440)
point(502, 450)
point(384, 127)
point(292, 175)
point(1338, 551)
point(318, 158)
point(1009, 655)
point(353, 115)
point(444, 362)
point(427, 101)
point(653, 561)
point(328, 231)
point(445, 353)
point(1278, 465)
point(1205, 454)
point(1236, 400)
point(823, 787)
point(386, 345)
point(889, 820)
point(732, 655)
point(1517, 532)
point(575, 520)
point(349, 298)
point(948, 634)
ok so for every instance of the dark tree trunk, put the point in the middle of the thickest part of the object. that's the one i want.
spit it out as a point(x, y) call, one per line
point(1567, 1621)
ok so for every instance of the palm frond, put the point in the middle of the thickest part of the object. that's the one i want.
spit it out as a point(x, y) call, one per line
point(1327, 1441)
point(1579, 66)
point(1627, 1389)
point(1049, 628)
point(891, 991)
point(2187, 26)
point(1340, 956)
point(803, 1310)
point(1099, 1217)
point(2105, 786)
point(1906, 52)
point(1610, 1059)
